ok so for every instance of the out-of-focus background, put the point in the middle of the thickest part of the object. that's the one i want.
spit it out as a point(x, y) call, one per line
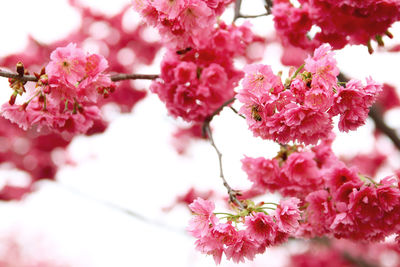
point(79, 221)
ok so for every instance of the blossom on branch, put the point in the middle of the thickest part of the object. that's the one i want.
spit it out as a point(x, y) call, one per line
point(65, 97)
point(255, 229)
point(302, 109)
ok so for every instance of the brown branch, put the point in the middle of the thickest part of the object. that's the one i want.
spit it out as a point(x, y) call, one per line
point(236, 15)
point(253, 16)
point(24, 78)
point(114, 77)
point(207, 132)
point(120, 77)
point(376, 115)
point(237, 112)
point(268, 6)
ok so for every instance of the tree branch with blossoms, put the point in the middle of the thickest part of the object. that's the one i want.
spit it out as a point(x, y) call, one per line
point(321, 195)
point(114, 77)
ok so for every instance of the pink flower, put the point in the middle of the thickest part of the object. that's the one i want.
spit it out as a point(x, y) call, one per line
point(210, 246)
point(264, 173)
point(182, 23)
point(67, 65)
point(260, 227)
point(302, 169)
point(320, 212)
point(214, 76)
point(388, 194)
point(303, 124)
point(202, 207)
point(95, 64)
point(340, 175)
point(219, 236)
point(292, 24)
point(172, 8)
point(323, 68)
point(319, 99)
point(299, 88)
point(353, 103)
point(343, 225)
point(260, 79)
point(199, 225)
point(364, 204)
point(185, 72)
point(287, 215)
point(342, 194)
point(244, 247)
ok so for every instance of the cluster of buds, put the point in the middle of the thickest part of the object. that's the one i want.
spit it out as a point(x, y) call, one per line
point(106, 91)
point(17, 84)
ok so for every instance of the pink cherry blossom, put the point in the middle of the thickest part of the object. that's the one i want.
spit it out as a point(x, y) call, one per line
point(287, 215)
point(244, 247)
point(260, 227)
point(199, 225)
point(67, 65)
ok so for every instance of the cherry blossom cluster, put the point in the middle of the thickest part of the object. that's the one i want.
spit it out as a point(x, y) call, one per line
point(339, 22)
point(255, 229)
point(33, 152)
point(325, 198)
point(125, 47)
point(338, 201)
point(182, 23)
point(196, 82)
point(302, 108)
point(65, 95)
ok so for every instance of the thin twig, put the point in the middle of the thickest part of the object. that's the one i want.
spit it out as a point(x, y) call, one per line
point(114, 77)
point(126, 211)
point(253, 16)
point(232, 193)
point(376, 115)
point(237, 112)
point(207, 132)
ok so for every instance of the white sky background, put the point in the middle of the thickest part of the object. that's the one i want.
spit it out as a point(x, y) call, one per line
point(133, 164)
